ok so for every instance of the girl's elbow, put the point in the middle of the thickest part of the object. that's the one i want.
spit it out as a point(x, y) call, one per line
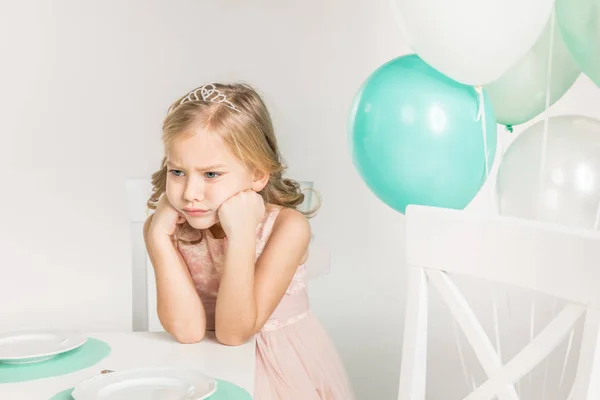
point(229, 339)
point(185, 334)
point(187, 337)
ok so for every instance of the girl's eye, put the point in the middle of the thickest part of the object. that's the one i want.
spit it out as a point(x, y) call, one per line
point(176, 172)
point(212, 175)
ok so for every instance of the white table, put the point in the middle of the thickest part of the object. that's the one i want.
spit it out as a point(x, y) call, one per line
point(131, 350)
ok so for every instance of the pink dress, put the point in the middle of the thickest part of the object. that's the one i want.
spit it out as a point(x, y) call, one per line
point(295, 359)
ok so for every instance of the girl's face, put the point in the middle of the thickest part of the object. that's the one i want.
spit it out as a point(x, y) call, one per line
point(202, 173)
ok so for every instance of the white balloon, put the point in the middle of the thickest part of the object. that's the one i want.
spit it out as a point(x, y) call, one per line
point(472, 41)
point(567, 190)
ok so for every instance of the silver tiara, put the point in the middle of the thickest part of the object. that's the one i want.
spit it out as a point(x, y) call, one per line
point(209, 93)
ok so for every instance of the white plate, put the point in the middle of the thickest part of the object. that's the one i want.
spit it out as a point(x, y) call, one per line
point(29, 346)
point(147, 384)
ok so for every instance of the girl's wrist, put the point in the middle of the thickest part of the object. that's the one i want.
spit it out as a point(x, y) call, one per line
point(160, 239)
point(240, 238)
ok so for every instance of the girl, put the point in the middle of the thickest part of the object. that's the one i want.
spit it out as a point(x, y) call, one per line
point(229, 247)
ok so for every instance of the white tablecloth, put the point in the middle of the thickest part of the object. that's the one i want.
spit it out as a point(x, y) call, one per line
point(132, 350)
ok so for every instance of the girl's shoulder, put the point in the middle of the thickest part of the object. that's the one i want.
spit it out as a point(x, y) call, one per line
point(286, 232)
point(290, 222)
point(285, 216)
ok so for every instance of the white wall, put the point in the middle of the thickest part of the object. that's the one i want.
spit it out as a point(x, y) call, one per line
point(84, 88)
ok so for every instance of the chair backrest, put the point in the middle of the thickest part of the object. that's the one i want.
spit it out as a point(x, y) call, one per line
point(144, 293)
point(549, 259)
point(145, 317)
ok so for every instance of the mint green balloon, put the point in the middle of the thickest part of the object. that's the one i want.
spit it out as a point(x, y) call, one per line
point(579, 23)
point(520, 94)
point(415, 137)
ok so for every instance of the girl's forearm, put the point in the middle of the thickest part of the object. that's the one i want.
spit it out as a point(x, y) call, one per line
point(180, 309)
point(236, 305)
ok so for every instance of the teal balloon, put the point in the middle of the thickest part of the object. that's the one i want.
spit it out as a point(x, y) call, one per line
point(415, 136)
point(579, 24)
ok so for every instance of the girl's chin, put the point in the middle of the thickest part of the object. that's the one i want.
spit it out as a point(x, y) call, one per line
point(201, 223)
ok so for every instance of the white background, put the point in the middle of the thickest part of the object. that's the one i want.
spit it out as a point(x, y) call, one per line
point(84, 88)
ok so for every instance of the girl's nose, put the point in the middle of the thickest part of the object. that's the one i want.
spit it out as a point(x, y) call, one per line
point(194, 192)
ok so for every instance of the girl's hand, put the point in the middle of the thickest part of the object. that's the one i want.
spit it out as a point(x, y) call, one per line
point(165, 218)
point(241, 213)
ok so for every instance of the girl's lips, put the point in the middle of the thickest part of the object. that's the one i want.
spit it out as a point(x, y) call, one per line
point(194, 212)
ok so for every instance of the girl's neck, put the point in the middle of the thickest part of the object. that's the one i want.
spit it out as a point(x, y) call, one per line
point(217, 231)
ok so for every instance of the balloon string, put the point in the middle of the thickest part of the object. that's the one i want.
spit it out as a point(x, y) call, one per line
point(546, 364)
point(542, 170)
point(481, 117)
point(461, 353)
point(496, 324)
point(567, 355)
point(546, 111)
point(531, 330)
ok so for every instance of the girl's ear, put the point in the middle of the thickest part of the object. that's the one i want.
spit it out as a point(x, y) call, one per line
point(260, 181)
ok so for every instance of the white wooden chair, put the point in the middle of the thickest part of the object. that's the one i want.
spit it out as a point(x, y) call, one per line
point(144, 291)
point(557, 261)
point(145, 317)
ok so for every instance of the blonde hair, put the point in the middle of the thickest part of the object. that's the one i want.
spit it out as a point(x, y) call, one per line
point(246, 128)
